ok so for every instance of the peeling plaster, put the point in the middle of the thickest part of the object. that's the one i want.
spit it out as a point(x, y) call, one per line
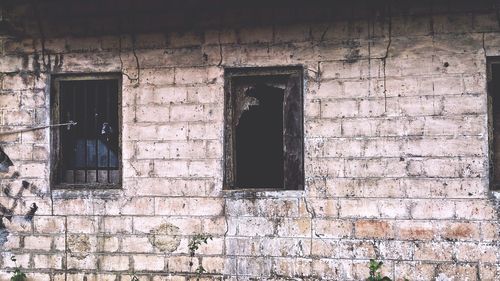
point(165, 237)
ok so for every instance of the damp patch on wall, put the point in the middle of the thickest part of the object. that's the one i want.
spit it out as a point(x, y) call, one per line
point(165, 237)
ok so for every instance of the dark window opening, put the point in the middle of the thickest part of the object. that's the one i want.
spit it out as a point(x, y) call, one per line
point(259, 139)
point(87, 154)
point(264, 128)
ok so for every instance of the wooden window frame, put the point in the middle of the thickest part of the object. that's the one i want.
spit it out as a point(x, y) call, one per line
point(55, 155)
point(293, 160)
point(490, 61)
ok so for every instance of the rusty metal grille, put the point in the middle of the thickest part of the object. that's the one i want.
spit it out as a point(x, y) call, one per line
point(89, 152)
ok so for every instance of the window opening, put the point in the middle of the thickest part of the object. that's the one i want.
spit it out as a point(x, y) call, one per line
point(88, 153)
point(264, 128)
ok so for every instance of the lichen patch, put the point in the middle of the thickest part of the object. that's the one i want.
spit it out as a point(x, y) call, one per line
point(165, 237)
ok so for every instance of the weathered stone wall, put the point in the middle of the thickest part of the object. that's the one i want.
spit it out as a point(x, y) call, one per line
point(396, 160)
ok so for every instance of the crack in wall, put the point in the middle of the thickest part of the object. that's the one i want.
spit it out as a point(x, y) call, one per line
point(42, 34)
point(384, 58)
point(136, 59)
point(370, 38)
point(129, 77)
point(311, 212)
point(323, 35)
point(484, 46)
point(220, 49)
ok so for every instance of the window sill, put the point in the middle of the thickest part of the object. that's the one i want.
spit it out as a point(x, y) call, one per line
point(496, 194)
point(86, 191)
point(261, 193)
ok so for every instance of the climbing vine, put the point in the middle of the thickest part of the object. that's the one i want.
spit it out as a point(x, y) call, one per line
point(194, 244)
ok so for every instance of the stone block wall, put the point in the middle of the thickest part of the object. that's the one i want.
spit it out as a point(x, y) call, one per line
point(396, 156)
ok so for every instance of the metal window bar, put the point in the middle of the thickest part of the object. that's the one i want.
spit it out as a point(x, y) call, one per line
point(87, 147)
point(73, 133)
point(108, 101)
point(96, 116)
point(85, 129)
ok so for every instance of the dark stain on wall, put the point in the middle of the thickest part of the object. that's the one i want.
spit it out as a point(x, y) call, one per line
point(353, 53)
point(16, 199)
point(36, 65)
point(31, 213)
point(5, 161)
point(3, 232)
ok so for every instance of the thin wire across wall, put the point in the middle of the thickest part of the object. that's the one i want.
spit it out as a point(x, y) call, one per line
point(69, 124)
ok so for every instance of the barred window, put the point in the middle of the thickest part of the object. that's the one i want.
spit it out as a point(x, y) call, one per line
point(87, 154)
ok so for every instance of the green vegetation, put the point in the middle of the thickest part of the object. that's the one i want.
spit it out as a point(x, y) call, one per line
point(375, 274)
point(17, 275)
point(194, 245)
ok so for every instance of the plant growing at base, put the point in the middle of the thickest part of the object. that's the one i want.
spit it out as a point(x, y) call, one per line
point(375, 274)
point(194, 245)
point(17, 275)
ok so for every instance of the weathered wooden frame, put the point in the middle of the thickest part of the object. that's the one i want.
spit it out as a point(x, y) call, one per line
point(293, 176)
point(491, 137)
point(55, 141)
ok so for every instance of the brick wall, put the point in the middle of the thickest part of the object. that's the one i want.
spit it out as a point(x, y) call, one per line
point(396, 164)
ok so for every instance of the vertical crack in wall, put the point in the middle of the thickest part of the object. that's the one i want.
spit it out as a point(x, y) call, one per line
point(318, 74)
point(129, 17)
point(220, 49)
point(134, 41)
point(134, 80)
point(484, 46)
point(323, 35)
point(36, 9)
point(312, 213)
point(370, 38)
point(431, 13)
point(384, 58)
